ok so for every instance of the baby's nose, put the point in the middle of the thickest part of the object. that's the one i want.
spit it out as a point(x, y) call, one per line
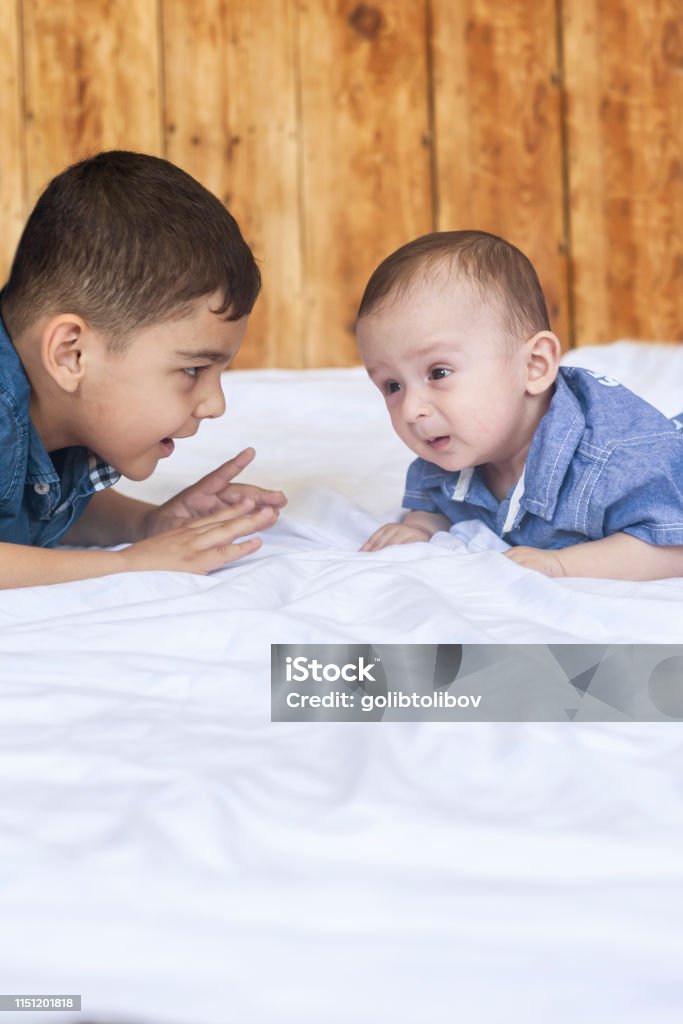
point(415, 405)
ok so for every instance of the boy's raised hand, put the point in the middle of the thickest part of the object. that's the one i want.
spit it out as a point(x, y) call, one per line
point(202, 543)
point(212, 494)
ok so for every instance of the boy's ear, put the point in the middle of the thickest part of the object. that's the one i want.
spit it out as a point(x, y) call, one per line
point(543, 360)
point(62, 345)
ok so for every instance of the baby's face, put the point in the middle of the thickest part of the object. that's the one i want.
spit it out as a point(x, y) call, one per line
point(453, 383)
point(169, 379)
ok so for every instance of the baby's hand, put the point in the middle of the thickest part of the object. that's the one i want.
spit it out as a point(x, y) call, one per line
point(538, 559)
point(395, 533)
point(201, 544)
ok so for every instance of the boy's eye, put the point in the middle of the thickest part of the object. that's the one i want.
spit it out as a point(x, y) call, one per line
point(193, 371)
point(391, 387)
point(439, 373)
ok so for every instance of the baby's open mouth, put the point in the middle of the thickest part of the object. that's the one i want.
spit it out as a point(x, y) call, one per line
point(438, 442)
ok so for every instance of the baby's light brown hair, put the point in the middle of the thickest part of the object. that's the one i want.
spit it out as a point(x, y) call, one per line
point(501, 272)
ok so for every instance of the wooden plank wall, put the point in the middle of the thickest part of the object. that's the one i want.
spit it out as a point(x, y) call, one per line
point(624, 69)
point(336, 130)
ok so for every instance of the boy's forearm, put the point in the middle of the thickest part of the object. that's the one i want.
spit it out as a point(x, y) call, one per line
point(110, 518)
point(621, 557)
point(23, 566)
point(430, 522)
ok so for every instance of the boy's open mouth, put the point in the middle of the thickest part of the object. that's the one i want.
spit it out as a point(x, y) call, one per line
point(439, 442)
point(168, 445)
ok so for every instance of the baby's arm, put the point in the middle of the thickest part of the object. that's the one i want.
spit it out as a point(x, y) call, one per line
point(415, 526)
point(618, 557)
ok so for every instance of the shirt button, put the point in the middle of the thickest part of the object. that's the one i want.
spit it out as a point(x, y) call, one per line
point(41, 488)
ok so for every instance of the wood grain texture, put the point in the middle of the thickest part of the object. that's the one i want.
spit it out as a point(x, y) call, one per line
point(498, 131)
point(92, 81)
point(624, 76)
point(12, 198)
point(231, 121)
point(336, 130)
point(365, 155)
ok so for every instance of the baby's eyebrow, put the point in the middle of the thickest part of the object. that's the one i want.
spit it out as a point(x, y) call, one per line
point(376, 371)
point(209, 354)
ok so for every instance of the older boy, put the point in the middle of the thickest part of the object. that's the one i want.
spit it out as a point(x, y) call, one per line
point(582, 477)
point(128, 296)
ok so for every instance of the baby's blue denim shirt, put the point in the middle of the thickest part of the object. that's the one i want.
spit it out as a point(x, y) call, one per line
point(602, 461)
point(41, 495)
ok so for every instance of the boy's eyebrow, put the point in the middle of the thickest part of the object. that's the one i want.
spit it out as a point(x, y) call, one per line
point(211, 355)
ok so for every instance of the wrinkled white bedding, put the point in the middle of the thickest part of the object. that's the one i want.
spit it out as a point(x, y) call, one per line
point(173, 856)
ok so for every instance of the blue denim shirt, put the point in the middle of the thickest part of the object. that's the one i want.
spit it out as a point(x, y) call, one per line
point(602, 461)
point(41, 494)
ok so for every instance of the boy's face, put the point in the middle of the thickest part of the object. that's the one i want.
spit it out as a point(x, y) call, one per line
point(454, 386)
point(135, 404)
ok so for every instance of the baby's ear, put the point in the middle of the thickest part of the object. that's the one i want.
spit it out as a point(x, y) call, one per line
point(543, 360)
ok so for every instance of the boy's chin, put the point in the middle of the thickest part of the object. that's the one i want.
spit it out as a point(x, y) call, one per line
point(136, 473)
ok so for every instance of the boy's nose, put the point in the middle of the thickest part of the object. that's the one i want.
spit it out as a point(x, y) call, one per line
point(211, 405)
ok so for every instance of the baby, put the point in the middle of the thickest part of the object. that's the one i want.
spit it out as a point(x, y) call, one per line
point(577, 473)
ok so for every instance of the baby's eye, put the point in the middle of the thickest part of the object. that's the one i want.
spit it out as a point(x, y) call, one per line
point(439, 373)
point(193, 371)
point(391, 387)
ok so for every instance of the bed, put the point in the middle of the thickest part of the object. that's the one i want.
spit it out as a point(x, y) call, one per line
point(173, 856)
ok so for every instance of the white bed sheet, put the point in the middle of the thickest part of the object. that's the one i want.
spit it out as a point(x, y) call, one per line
point(175, 857)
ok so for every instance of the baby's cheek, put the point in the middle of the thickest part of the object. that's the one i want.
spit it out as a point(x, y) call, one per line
point(397, 421)
point(493, 416)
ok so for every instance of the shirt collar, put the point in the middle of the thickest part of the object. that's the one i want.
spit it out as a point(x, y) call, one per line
point(13, 379)
point(457, 485)
point(553, 446)
point(101, 474)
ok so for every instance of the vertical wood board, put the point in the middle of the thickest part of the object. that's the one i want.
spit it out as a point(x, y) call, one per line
point(12, 199)
point(92, 81)
point(624, 69)
point(230, 120)
point(498, 132)
point(366, 155)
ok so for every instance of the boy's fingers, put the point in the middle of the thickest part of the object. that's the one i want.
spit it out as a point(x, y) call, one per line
point(277, 499)
point(215, 557)
point(225, 553)
point(236, 492)
point(218, 479)
point(228, 528)
point(242, 507)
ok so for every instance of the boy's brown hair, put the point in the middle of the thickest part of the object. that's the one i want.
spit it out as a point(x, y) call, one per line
point(492, 264)
point(125, 240)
